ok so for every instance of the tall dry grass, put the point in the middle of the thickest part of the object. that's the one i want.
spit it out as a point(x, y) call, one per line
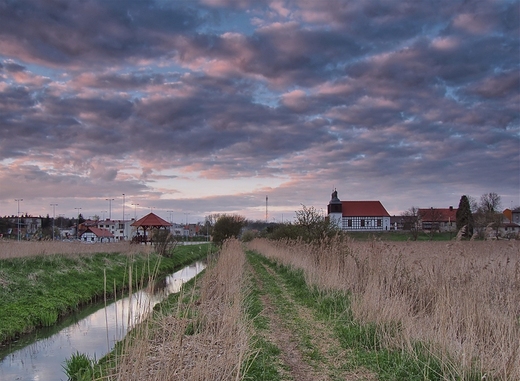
point(461, 299)
point(15, 249)
point(205, 338)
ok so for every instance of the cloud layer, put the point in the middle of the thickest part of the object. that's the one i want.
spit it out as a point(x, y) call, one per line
point(210, 106)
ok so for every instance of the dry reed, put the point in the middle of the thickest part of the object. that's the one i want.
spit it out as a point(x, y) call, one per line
point(460, 299)
point(206, 338)
point(15, 249)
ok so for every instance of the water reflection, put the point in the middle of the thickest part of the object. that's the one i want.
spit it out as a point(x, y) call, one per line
point(94, 332)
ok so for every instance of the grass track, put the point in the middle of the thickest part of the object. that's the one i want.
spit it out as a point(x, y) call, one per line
point(307, 334)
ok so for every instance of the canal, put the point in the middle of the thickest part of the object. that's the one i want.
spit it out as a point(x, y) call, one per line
point(94, 331)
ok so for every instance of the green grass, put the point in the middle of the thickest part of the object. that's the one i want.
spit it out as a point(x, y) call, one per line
point(37, 291)
point(79, 367)
point(263, 367)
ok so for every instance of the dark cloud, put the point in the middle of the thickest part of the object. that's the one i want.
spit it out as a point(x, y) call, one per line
point(296, 97)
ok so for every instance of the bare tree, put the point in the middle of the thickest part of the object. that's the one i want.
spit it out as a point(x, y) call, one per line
point(314, 225)
point(411, 221)
point(488, 215)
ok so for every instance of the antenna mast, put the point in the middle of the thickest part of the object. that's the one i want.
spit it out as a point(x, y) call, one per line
point(266, 203)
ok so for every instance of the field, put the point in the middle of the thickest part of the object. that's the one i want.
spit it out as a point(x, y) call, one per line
point(337, 310)
point(21, 249)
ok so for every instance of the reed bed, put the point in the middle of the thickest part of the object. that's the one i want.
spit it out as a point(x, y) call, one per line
point(18, 249)
point(205, 337)
point(459, 300)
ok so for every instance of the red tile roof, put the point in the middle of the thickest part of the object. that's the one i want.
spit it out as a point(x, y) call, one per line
point(99, 232)
point(363, 209)
point(152, 220)
point(438, 215)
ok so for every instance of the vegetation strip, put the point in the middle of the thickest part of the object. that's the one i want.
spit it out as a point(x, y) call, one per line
point(364, 355)
point(198, 334)
point(307, 347)
point(37, 291)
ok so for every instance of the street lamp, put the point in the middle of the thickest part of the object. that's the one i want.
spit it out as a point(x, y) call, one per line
point(18, 213)
point(77, 226)
point(53, 218)
point(123, 208)
point(109, 207)
point(187, 226)
point(135, 211)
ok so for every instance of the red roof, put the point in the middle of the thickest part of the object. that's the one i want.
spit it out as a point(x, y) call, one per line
point(363, 209)
point(151, 220)
point(99, 232)
point(438, 214)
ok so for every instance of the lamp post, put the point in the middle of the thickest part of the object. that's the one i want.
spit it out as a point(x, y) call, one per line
point(187, 226)
point(53, 218)
point(135, 211)
point(77, 226)
point(109, 207)
point(124, 225)
point(18, 214)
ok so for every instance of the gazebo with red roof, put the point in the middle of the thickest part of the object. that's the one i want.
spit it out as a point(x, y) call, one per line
point(150, 221)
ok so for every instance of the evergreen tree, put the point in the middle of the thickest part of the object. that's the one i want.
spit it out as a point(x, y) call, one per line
point(464, 217)
point(81, 219)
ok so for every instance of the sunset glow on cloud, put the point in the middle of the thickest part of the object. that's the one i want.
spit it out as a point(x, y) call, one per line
point(207, 107)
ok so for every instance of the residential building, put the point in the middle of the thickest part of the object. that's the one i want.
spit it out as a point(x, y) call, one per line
point(438, 219)
point(93, 235)
point(358, 215)
point(121, 229)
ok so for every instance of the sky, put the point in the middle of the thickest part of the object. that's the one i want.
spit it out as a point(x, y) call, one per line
point(191, 108)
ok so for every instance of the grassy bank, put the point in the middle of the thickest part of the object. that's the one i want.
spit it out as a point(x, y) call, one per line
point(197, 334)
point(36, 290)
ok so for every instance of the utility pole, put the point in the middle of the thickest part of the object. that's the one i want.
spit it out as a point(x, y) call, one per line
point(53, 217)
point(18, 213)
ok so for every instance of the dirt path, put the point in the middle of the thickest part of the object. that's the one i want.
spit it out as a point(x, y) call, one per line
point(308, 348)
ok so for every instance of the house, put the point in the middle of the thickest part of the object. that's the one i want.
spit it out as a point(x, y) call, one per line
point(510, 226)
point(93, 234)
point(358, 215)
point(509, 230)
point(438, 219)
point(121, 229)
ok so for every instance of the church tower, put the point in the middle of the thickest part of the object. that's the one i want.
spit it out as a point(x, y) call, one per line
point(334, 210)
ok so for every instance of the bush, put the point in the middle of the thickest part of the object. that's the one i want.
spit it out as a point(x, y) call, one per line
point(227, 226)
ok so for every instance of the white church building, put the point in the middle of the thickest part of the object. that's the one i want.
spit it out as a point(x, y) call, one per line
point(358, 215)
